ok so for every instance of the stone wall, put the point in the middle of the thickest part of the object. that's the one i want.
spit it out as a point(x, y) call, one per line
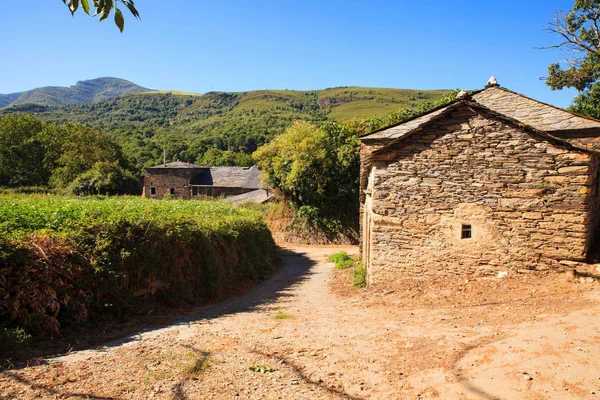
point(165, 179)
point(526, 199)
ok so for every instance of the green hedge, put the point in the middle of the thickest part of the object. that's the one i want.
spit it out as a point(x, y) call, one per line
point(67, 260)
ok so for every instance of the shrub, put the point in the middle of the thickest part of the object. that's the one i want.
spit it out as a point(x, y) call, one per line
point(342, 260)
point(339, 257)
point(345, 264)
point(67, 260)
point(359, 276)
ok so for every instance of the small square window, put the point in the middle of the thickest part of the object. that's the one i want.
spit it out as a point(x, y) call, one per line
point(209, 192)
point(466, 232)
point(152, 190)
point(172, 190)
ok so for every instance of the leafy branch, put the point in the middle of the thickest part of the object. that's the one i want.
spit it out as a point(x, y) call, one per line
point(103, 8)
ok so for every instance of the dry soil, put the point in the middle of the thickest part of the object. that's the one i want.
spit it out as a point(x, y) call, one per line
point(310, 335)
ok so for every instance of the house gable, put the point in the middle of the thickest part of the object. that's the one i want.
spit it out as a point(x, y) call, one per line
point(524, 195)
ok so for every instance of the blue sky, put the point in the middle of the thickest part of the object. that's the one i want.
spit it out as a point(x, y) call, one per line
point(230, 45)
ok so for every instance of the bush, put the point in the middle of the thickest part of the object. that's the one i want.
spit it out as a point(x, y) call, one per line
point(345, 264)
point(339, 257)
point(359, 276)
point(342, 260)
point(66, 260)
point(11, 338)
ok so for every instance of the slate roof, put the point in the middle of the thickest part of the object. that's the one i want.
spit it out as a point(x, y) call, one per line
point(256, 196)
point(399, 130)
point(176, 164)
point(242, 177)
point(538, 115)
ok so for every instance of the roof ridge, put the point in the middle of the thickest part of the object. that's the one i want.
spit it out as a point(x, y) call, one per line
point(541, 102)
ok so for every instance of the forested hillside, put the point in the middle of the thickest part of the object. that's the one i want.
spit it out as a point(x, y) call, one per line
point(83, 92)
point(187, 126)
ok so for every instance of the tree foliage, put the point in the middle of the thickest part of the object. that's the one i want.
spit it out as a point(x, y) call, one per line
point(35, 153)
point(224, 158)
point(579, 33)
point(105, 178)
point(104, 8)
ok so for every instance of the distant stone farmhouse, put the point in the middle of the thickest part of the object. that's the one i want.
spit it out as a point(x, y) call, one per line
point(493, 181)
point(190, 181)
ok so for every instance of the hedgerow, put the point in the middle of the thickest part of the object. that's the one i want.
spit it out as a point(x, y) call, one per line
point(68, 260)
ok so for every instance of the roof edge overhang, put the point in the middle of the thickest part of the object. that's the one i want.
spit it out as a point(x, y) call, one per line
point(476, 106)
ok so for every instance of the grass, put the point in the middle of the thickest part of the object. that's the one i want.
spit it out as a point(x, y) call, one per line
point(283, 316)
point(342, 260)
point(187, 365)
point(199, 365)
point(359, 276)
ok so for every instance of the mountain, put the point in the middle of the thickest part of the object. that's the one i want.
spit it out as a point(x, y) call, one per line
point(83, 92)
point(187, 125)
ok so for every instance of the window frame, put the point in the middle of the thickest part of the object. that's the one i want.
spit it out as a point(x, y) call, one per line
point(466, 231)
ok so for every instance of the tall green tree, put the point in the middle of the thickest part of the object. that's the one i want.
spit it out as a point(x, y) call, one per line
point(35, 153)
point(22, 151)
point(104, 8)
point(316, 169)
point(579, 33)
point(82, 147)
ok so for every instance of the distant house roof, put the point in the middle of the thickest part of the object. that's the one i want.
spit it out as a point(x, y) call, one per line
point(540, 116)
point(176, 164)
point(256, 196)
point(244, 177)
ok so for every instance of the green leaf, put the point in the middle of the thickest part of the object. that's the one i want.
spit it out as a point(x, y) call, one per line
point(86, 6)
point(107, 6)
point(73, 6)
point(119, 20)
point(129, 4)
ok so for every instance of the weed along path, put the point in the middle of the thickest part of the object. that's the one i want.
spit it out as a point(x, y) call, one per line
point(307, 334)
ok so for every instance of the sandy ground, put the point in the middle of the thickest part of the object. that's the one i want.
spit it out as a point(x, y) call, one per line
point(531, 336)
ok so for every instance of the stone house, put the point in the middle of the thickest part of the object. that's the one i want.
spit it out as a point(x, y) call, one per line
point(493, 181)
point(190, 181)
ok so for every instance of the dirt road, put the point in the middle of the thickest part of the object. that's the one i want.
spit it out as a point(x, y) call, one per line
point(315, 337)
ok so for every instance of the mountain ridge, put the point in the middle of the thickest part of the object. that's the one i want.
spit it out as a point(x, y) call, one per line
point(83, 92)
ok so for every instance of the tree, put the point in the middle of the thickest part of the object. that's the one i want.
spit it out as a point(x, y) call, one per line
point(219, 158)
point(103, 8)
point(316, 169)
point(105, 178)
point(22, 151)
point(35, 153)
point(579, 31)
point(81, 148)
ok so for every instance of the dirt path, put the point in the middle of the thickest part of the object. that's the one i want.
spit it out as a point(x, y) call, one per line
point(530, 337)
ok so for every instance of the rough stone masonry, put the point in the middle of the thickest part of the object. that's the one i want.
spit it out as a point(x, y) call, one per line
point(467, 189)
